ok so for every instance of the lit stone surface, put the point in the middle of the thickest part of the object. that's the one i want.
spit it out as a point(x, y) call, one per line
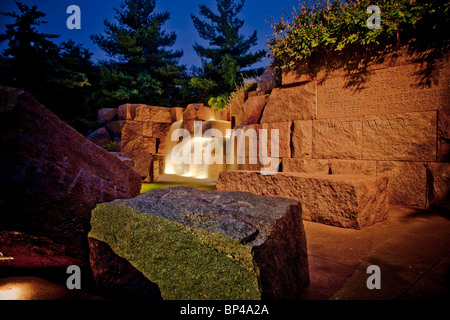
point(402, 136)
point(289, 104)
point(197, 244)
point(407, 182)
point(339, 200)
point(389, 90)
point(51, 177)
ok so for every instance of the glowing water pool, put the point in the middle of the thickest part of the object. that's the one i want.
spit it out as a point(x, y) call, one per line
point(169, 180)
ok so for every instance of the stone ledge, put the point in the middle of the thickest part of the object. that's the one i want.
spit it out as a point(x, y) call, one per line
point(199, 245)
point(340, 200)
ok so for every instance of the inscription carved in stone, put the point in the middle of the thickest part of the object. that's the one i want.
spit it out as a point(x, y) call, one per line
point(391, 90)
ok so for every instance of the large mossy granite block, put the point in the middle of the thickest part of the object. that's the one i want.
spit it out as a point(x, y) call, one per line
point(198, 245)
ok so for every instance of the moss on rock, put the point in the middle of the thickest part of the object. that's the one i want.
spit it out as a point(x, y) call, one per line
point(186, 263)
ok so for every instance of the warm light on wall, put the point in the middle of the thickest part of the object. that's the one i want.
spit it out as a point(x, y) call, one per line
point(11, 292)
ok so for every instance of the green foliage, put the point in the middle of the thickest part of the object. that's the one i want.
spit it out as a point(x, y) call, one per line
point(112, 146)
point(142, 68)
point(228, 52)
point(334, 27)
point(219, 102)
point(247, 85)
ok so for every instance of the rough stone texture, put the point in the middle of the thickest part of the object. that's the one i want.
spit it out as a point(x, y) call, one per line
point(160, 130)
point(237, 103)
point(267, 82)
point(439, 186)
point(117, 278)
point(133, 139)
point(160, 114)
point(100, 137)
point(339, 200)
point(251, 110)
point(284, 138)
point(403, 136)
point(127, 111)
point(143, 163)
point(290, 104)
point(296, 76)
point(358, 167)
point(206, 245)
point(107, 114)
point(128, 161)
point(387, 90)
point(306, 165)
point(337, 138)
point(34, 253)
point(142, 144)
point(302, 139)
point(114, 128)
point(443, 136)
point(177, 113)
point(51, 177)
point(407, 182)
point(198, 111)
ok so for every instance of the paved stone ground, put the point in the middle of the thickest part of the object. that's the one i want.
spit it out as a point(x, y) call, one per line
point(411, 247)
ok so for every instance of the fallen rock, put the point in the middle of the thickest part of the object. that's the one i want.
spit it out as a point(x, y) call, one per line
point(114, 128)
point(197, 244)
point(107, 114)
point(338, 200)
point(51, 177)
point(100, 137)
point(267, 82)
point(252, 110)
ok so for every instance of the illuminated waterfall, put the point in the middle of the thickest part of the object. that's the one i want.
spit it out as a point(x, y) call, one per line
point(192, 170)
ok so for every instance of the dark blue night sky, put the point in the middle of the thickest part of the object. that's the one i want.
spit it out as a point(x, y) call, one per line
point(93, 12)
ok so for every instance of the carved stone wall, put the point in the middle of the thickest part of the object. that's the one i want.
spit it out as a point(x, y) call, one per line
point(390, 120)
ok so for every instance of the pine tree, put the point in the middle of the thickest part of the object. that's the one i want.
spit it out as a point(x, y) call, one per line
point(34, 63)
point(28, 58)
point(228, 54)
point(142, 68)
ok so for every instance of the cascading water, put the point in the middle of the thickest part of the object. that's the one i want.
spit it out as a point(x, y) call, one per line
point(202, 170)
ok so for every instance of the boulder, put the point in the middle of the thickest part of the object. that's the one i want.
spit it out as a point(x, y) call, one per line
point(267, 82)
point(107, 114)
point(100, 137)
point(51, 177)
point(143, 163)
point(198, 111)
point(338, 200)
point(197, 245)
point(114, 128)
point(252, 110)
point(290, 104)
point(237, 103)
point(127, 111)
point(128, 161)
